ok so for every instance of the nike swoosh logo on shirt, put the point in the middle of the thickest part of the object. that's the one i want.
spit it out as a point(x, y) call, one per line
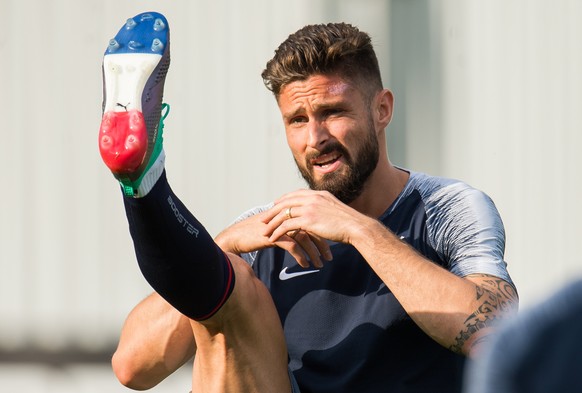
point(287, 276)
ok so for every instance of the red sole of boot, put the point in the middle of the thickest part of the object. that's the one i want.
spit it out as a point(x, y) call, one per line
point(123, 141)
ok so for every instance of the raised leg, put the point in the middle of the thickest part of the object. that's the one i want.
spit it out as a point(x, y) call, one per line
point(238, 334)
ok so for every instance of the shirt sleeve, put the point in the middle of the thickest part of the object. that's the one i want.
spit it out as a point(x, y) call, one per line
point(253, 211)
point(465, 228)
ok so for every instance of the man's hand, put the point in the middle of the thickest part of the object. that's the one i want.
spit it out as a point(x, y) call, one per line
point(249, 235)
point(317, 213)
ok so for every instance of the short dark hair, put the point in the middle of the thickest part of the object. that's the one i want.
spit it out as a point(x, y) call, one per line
point(333, 48)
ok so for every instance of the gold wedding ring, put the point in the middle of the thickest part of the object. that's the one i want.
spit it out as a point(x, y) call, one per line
point(288, 213)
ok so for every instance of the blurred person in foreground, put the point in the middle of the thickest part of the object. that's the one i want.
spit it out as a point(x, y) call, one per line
point(539, 351)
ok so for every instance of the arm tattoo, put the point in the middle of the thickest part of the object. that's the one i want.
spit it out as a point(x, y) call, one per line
point(497, 299)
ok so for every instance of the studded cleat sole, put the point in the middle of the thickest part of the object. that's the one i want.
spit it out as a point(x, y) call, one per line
point(135, 64)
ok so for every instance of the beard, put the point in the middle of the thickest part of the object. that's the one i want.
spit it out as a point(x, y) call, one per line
point(345, 186)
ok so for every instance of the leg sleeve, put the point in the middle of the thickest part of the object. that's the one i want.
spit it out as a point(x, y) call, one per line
point(176, 255)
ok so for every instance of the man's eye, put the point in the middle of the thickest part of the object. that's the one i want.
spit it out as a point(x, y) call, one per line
point(298, 119)
point(331, 112)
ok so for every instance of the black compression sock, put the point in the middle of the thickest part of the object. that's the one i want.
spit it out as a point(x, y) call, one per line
point(176, 255)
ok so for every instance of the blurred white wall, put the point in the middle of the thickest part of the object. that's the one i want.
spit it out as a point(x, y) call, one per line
point(486, 91)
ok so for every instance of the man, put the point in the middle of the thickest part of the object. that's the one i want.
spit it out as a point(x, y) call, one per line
point(400, 274)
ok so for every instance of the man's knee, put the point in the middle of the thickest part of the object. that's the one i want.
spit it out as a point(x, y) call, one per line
point(249, 301)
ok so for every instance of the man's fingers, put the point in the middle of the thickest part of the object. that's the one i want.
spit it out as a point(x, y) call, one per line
point(305, 247)
point(323, 247)
point(304, 240)
point(295, 250)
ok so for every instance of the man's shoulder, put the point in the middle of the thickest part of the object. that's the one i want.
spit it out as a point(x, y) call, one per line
point(420, 192)
point(446, 200)
point(429, 184)
point(433, 189)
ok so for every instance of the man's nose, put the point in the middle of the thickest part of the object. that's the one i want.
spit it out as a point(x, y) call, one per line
point(318, 135)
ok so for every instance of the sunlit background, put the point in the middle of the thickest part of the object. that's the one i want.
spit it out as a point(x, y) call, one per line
point(486, 91)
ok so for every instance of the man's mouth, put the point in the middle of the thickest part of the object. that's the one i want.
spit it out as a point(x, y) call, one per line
point(325, 160)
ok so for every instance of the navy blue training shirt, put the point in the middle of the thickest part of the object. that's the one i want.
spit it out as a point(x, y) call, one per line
point(345, 330)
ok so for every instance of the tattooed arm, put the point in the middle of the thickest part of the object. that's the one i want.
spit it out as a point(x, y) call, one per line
point(496, 299)
point(457, 312)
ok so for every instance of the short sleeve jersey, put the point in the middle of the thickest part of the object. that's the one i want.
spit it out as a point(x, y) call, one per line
point(345, 330)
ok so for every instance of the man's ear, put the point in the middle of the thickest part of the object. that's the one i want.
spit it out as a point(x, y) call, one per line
point(384, 106)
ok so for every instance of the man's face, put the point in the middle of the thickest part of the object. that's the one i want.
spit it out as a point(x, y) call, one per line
point(331, 133)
